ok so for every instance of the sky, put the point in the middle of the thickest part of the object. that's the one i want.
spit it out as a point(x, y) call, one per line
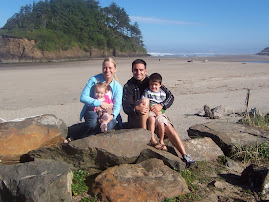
point(189, 26)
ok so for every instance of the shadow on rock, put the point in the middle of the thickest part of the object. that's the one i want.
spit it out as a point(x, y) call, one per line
point(235, 180)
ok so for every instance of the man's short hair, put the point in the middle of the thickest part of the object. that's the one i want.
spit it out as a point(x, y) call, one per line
point(155, 77)
point(139, 61)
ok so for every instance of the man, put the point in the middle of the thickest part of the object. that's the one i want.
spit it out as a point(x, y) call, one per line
point(138, 113)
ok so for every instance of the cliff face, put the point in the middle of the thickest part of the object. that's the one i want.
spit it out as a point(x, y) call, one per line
point(15, 50)
point(264, 52)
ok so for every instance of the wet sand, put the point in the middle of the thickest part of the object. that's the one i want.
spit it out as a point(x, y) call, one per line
point(55, 88)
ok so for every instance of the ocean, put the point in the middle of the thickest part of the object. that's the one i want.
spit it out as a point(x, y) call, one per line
point(249, 58)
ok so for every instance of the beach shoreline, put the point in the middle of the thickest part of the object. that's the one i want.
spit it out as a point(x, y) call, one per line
point(31, 89)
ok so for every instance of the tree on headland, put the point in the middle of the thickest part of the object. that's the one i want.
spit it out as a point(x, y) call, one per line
point(63, 24)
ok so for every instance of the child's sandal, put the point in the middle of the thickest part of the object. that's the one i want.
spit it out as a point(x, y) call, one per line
point(161, 147)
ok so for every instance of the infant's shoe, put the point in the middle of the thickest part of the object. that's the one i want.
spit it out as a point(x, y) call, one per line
point(103, 126)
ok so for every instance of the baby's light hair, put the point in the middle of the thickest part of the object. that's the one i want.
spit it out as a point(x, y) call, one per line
point(102, 85)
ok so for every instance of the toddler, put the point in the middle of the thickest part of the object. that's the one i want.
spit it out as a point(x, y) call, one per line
point(151, 96)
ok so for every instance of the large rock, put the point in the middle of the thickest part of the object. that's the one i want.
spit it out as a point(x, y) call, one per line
point(20, 136)
point(203, 149)
point(99, 151)
point(170, 159)
point(227, 135)
point(148, 181)
point(44, 180)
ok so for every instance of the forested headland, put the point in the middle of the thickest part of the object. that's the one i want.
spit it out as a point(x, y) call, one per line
point(264, 51)
point(59, 25)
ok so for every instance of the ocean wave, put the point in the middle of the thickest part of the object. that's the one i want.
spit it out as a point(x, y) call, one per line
point(155, 54)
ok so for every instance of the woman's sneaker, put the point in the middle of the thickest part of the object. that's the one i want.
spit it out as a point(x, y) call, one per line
point(189, 161)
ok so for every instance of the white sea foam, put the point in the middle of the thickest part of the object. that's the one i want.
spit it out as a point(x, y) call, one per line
point(155, 54)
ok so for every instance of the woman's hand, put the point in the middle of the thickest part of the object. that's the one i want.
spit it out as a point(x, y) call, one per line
point(105, 105)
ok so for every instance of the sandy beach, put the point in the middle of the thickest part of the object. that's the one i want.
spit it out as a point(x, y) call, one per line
point(55, 88)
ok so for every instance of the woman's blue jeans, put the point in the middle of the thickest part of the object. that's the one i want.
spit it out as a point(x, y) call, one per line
point(91, 125)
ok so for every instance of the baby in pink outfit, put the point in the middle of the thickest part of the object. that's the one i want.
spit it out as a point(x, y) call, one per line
point(100, 94)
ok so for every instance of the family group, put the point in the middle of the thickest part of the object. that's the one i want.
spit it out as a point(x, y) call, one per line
point(144, 99)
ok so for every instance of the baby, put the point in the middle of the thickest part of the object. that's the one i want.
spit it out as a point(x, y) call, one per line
point(103, 115)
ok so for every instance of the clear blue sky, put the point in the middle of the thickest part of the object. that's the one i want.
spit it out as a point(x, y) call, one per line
point(206, 26)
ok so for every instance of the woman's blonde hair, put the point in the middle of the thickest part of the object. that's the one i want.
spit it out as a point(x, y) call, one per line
point(110, 59)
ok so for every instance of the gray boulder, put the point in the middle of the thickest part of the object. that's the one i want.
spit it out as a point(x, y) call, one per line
point(215, 113)
point(150, 180)
point(170, 159)
point(227, 135)
point(98, 151)
point(203, 149)
point(44, 180)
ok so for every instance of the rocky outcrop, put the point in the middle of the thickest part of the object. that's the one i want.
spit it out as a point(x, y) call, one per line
point(264, 51)
point(18, 137)
point(150, 180)
point(15, 50)
point(123, 167)
point(44, 180)
point(227, 135)
point(124, 146)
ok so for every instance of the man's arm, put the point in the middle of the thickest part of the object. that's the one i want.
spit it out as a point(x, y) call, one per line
point(128, 102)
point(169, 98)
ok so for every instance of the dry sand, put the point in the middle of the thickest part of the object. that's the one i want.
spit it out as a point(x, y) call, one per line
point(55, 88)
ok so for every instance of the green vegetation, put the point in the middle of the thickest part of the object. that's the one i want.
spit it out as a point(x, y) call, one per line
point(79, 185)
point(63, 24)
point(256, 120)
point(249, 154)
point(93, 199)
point(197, 178)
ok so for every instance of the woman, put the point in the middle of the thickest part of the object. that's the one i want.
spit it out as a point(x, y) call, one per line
point(87, 97)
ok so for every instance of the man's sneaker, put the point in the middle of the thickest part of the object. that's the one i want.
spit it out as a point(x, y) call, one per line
point(188, 160)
